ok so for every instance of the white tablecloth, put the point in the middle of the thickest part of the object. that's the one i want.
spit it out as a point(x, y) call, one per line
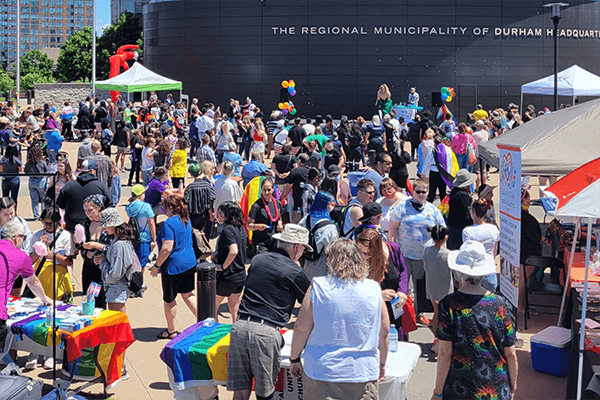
point(407, 113)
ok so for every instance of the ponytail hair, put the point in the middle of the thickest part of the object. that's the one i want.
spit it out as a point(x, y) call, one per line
point(438, 232)
point(480, 207)
point(175, 203)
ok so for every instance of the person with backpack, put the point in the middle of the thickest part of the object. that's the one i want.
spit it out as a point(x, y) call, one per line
point(322, 232)
point(350, 216)
point(141, 222)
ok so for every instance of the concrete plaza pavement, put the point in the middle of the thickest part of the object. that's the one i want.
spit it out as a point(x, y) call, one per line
point(148, 374)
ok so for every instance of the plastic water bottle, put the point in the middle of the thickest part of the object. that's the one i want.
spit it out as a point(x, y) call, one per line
point(393, 339)
point(49, 316)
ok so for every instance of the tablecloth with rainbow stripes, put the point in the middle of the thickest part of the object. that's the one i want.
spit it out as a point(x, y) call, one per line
point(110, 331)
point(198, 355)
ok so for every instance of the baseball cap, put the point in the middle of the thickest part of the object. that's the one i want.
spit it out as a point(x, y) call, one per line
point(370, 210)
point(89, 165)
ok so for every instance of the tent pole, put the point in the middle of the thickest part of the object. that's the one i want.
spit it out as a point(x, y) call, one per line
point(564, 297)
point(588, 245)
point(521, 109)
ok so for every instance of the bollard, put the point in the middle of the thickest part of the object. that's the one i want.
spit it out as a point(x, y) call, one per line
point(29, 97)
point(207, 290)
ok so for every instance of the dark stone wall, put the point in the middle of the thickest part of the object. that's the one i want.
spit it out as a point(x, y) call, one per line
point(224, 49)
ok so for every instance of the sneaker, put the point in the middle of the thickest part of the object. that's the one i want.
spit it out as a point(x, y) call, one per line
point(31, 363)
point(49, 363)
point(423, 320)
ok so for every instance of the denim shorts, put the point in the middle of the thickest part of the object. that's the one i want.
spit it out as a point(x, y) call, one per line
point(117, 293)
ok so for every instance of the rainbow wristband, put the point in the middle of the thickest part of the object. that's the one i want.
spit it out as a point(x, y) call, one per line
point(438, 395)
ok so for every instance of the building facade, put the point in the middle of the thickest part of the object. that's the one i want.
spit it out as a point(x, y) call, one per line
point(44, 23)
point(117, 7)
point(340, 51)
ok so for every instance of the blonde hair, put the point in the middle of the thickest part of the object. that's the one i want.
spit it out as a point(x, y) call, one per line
point(346, 261)
point(429, 133)
point(420, 183)
point(207, 168)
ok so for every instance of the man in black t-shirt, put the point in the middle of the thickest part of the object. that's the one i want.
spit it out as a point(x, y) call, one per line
point(295, 179)
point(122, 142)
point(297, 135)
point(274, 284)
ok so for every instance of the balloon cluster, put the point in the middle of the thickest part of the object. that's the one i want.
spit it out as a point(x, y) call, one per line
point(288, 106)
point(447, 93)
point(290, 86)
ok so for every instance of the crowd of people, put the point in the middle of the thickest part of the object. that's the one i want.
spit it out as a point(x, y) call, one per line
point(271, 191)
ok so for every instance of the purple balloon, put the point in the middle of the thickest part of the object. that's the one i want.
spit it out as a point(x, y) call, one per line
point(293, 93)
point(284, 111)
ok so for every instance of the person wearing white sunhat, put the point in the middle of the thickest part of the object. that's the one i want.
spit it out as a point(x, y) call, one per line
point(476, 353)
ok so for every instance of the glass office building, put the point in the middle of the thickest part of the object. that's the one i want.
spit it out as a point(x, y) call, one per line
point(117, 7)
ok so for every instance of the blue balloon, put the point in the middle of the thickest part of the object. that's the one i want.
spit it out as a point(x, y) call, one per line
point(444, 96)
point(291, 89)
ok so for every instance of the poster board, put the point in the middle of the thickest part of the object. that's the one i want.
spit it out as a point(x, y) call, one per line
point(510, 221)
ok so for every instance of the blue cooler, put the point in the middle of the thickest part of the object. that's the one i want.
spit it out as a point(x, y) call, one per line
point(353, 178)
point(551, 352)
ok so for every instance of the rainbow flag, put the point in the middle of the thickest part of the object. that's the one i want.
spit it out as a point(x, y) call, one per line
point(443, 111)
point(251, 194)
point(199, 353)
point(110, 331)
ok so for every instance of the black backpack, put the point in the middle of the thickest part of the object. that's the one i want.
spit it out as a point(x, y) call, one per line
point(314, 255)
point(135, 231)
point(338, 215)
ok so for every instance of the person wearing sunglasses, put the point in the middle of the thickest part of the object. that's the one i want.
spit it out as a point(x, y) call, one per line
point(380, 170)
point(408, 227)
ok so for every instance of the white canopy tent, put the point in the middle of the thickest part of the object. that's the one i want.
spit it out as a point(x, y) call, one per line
point(576, 195)
point(573, 81)
point(139, 79)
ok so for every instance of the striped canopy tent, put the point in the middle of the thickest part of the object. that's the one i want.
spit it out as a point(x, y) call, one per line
point(576, 195)
point(139, 79)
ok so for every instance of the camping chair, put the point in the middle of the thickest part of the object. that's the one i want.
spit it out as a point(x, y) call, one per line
point(551, 286)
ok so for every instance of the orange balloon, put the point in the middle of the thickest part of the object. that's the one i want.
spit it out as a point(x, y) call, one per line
point(285, 84)
point(286, 105)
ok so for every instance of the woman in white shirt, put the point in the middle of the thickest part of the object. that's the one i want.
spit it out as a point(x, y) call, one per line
point(342, 327)
point(391, 196)
point(486, 234)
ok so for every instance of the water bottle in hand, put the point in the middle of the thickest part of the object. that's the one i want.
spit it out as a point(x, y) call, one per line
point(393, 339)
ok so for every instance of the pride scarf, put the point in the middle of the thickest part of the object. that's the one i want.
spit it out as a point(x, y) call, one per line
point(198, 354)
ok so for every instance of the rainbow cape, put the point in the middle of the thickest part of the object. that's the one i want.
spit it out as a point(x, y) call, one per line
point(251, 194)
point(110, 331)
point(198, 354)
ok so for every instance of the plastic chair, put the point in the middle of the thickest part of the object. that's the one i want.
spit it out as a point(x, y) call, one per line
point(549, 286)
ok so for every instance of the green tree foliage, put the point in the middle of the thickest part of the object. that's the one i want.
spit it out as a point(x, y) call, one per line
point(126, 30)
point(75, 59)
point(37, 62)
point(6, 81)
point(27, 81)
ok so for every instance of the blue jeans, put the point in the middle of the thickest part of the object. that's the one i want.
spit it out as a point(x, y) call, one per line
point(147, 177)
point(463, 161)
point(37, 192)
point(52, 156)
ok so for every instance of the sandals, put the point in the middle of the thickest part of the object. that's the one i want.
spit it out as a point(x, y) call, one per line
point(165, 334)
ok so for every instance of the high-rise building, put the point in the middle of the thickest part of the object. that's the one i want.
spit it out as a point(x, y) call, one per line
point(44, 23)
point(117, 7)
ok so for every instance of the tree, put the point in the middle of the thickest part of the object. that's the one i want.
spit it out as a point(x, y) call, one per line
point(6, 81)
point(28, 80)
point(75, 59)
point(37, 62)
point(126, 30)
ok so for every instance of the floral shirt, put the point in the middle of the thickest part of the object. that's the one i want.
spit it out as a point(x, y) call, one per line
point(479, 327)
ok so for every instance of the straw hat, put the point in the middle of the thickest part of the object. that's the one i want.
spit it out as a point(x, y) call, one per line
point(293, 233)
point(472, 260)
point(464, 178)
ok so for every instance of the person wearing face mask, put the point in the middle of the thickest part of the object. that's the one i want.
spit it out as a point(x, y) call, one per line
point(381, 169)
point(62, 250)
point(274, 284)
point(343, 194)
point(408, 227)
point(324, 232)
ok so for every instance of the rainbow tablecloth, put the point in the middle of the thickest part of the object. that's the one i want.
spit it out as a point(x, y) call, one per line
point(198, 356)
point(110, 331)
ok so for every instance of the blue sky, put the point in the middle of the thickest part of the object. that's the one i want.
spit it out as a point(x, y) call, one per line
point(102, 15)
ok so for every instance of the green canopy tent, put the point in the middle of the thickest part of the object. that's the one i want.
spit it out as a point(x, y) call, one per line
point(139, 79)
